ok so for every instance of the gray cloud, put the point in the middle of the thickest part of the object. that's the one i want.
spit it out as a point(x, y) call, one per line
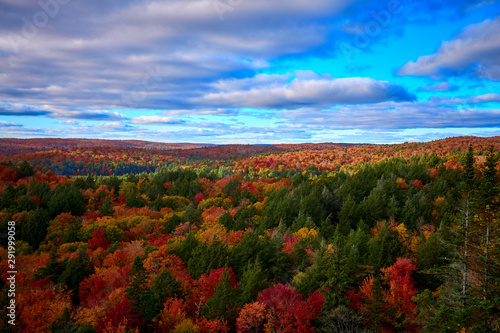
point(476, 50)
point(17, 109)
point(311, 91)
point(396, 116)
point(485, 98)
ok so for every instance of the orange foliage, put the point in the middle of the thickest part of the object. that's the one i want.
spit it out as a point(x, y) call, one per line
point(173, 313)
point(251, 317)
point(39, 308)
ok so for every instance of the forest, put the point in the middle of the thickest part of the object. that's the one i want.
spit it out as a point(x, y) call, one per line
point(235, 238)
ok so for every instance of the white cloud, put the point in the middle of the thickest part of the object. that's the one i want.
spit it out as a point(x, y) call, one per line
point(156, 120)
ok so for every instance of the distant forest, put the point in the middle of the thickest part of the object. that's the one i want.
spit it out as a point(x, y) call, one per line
point(258, 238)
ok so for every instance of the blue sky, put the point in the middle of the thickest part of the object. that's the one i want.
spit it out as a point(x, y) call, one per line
point(241, 71)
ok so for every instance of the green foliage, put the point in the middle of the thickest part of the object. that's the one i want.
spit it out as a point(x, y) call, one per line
point(52, 270)
point(275, 263)
point(384, 249)
point(185, 250)
point(25, 170)
point(223, 305)
point(253, 280)
point(66, 199)
point(64, 324)
point(75, 271)
point(106, 208)
point(205, 258)
point(34, 230)
point(172, 223)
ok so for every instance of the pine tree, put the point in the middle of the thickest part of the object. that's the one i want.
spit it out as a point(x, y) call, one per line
point(223, 305)
point(488, 218)
point(137, 288)
point(106, 208)
point(253, 281)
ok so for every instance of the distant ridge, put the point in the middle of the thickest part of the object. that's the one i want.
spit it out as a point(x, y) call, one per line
point(17, 146)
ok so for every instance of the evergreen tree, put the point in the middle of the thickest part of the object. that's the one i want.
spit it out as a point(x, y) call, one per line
point(75, 271)
point(253, 280)
point(64, 324)
point(35, 228)
point(25, 170)
point(223, 305)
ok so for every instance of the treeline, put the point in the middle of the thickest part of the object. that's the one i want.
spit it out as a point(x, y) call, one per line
point(404, 244)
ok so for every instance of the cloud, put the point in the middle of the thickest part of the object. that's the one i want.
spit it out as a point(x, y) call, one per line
point(485, 98)
point(4, 124)
point(223, 112)
point(95, 54)
point(394, 116)
point(475, 51)
point(18, 109)
point(271, 91)
point(88, 115)
point(156, 120)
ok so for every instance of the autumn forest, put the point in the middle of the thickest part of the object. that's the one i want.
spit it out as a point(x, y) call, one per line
point(133, 236)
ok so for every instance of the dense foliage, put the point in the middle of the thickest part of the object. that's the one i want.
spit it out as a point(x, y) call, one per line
point(344, 239)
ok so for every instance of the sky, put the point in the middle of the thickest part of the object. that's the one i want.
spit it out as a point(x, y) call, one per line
point(250, 71)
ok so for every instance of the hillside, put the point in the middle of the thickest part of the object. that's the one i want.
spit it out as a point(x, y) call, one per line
point(295, 238)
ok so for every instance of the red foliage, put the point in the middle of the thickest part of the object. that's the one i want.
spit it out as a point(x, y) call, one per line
point(120, 313)
point(199, 197)
point(212, 326)
point(418, 184)
point(402, 287)
point(396, 306)
point(41, 283)
point(92, 290)
point(91, 216)
point(98, 240)
point(206, 284)
point(7, 173)
point(289, 242)
point(289, 312)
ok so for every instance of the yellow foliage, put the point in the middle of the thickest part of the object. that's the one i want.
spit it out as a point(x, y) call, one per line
point(259, 207)
point(130, 222)
point(298, 278)
point(402, 233)
point(414, 242)
point(306, 233)
point(186, 326)
point(71, 247)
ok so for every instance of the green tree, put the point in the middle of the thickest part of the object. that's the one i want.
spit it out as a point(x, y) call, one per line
point(223, 305)
point(106, 208)
point(75, 271)
point(25, 170)
point(66, 199)
point(253, 280)
point(35, 228)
